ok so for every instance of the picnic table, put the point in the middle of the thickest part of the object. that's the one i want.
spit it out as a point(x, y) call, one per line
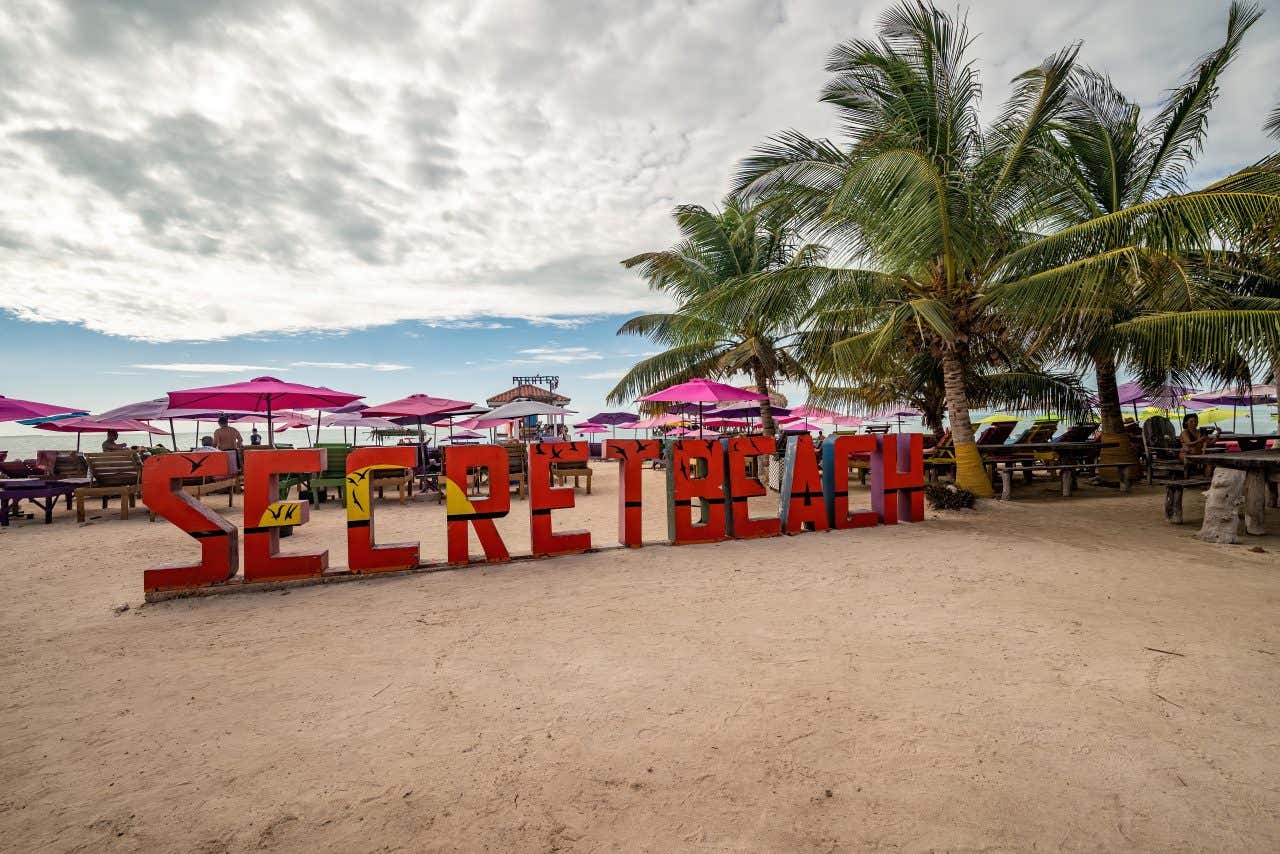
point(42, 493)
point(1261, 473)
point(1073, 457)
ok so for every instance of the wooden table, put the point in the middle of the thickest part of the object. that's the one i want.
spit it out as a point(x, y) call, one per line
point(1261, 472)
point(1074, 456)
point(43, 494)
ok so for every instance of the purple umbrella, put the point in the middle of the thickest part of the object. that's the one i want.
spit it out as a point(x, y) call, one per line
point(1241, 395)
point(612, 418)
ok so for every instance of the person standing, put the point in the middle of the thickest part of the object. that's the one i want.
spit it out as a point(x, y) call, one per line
point(226, 437)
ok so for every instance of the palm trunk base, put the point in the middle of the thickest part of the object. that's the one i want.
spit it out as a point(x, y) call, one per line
point(971, 474)
point(1121, 453)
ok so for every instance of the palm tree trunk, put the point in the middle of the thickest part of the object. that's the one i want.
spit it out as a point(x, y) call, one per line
point(971, 474)
point(766, 405)
point(1113, 432)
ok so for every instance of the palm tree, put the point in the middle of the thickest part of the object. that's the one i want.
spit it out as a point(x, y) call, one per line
point(720, 248)
point(920, 192)
point(940, 211)
point(1112, 163)
point(994, 381)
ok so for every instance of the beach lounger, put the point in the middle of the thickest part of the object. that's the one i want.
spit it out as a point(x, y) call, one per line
point(113, 474)
point(996, 433)
point(1040, 431)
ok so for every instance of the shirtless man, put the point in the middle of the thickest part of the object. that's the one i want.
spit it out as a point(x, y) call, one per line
point(226, 437)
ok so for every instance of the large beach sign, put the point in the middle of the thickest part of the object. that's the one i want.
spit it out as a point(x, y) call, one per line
point(707, 489)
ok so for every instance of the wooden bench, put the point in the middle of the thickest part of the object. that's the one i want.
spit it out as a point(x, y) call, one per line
point(1066, 472)
point(1173, 490)
point(400, 480)
point(575, 471)
point(116, 474)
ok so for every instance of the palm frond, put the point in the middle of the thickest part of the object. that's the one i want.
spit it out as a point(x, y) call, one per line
point(1183, 120)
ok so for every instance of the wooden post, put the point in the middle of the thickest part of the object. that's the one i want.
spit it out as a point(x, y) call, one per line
point(1222, 507)
point(1065, 474)
point(1006, 478)
point(1255, 502)
point(1173, 504)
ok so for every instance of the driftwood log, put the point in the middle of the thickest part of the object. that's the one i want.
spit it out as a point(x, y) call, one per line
point(1222, 507)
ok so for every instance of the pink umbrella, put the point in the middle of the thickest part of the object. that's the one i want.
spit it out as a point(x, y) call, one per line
point(88, 425)
point(702, 391)
point(259, 394)
point(294, 424)
point(800, 427)
point(899, 412)
point(465, 434)
point(666, 419)
point(726, 422)
point(815, 413)
point(590, 428)
point(685, 431)
point(419, 406)
point(15, 409)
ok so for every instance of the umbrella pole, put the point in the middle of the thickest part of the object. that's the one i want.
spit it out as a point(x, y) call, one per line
point(317, 426)
point(271, 436)
point(78, 434)
point(173, 435)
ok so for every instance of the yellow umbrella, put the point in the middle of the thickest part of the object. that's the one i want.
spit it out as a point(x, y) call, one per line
point(1212, 415)
point(997, 416)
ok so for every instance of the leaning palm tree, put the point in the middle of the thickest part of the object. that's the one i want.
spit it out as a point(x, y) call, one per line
point(720, 248)
point(932, 211)
point(1111, 163)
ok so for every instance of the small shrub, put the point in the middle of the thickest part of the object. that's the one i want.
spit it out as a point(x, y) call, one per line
point(948, 496)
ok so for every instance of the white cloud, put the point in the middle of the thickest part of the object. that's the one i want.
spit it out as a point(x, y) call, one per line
point(465, 324)
point(206, 170)
point(204, 368)
point(556, 355)
point(340, 366)
point(604, 375)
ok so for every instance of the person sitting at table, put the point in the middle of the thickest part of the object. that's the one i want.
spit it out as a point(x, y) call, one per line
point(206, 444)
point(113, 443)
point(255, 438)
point(226, 437)
point(1193, 440)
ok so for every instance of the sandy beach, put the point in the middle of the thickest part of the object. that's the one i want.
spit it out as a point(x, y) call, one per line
point(1040, 674)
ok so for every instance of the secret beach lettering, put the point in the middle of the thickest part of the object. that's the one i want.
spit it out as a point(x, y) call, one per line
point(707, 488)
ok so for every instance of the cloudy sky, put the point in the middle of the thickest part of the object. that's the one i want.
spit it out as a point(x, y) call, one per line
point(436, 193)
